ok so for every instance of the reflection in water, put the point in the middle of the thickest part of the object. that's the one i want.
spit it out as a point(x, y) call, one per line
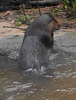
point(58, 83)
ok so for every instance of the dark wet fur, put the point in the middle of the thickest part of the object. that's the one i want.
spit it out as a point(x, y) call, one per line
point(37, 42)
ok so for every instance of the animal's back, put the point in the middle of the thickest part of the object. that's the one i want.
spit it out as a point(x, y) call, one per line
point(32, 54)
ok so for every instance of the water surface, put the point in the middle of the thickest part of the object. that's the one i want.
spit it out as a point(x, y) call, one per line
point(58, 83)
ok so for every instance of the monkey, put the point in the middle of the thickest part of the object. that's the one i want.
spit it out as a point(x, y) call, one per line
point(38, 40)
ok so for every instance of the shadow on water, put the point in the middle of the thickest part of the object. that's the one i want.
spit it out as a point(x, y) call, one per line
point(58, 83)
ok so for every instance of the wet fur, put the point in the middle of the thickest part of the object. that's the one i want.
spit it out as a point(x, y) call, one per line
point(38, 40)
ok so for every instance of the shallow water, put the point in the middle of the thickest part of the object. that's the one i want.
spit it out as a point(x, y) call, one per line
point(58, 83)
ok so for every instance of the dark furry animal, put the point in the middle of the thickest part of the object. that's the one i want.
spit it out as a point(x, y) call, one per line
point(38, 40)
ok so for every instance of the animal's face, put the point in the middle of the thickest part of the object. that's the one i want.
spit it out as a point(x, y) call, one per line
point(54, 25)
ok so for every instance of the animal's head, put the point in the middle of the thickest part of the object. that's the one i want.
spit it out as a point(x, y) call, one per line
point(53, 26)
point(47, 22)
point(48, 25)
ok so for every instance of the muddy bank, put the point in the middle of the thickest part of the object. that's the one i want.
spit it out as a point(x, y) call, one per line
point(10, 44)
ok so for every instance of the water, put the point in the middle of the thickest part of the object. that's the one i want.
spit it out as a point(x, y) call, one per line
point(58, 83)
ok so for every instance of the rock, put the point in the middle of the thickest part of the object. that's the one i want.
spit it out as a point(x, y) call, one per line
point(10, 46)
point(66, 41)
